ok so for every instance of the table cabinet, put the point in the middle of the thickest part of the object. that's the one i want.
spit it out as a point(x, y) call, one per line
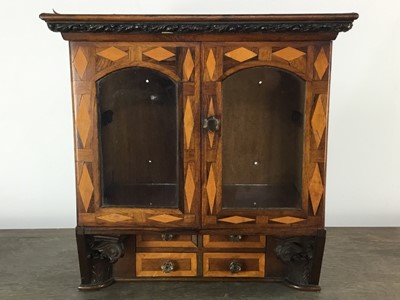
point(200, 145)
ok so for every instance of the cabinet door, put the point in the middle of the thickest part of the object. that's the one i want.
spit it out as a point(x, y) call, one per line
point(264, 138)
point(137, 115)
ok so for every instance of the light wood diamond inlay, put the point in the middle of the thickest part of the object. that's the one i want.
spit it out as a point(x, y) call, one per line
point(188, 65)
point(321, 63)
point(211, 112)
point(288, 220)
point(211, 63)
point(83, 119)
point(189, 187)
point(316, 189)
point(85, 187)
point(113, 218)
point(80, 62)
point(289, 53)
point(236, 220)
point(241, 54)
point(159, 54)
point(112, 54)
point(165, 218)
point(318, 120)
point(188, 122)
point(211, 188)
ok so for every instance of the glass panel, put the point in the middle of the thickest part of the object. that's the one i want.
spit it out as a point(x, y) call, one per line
point(262, 133)
point(139, 138)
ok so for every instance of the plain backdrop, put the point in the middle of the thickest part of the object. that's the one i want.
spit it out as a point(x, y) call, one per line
point(37, 185)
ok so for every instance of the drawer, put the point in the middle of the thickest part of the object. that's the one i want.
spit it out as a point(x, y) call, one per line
point(234, 241)
point(166, 264)
point(233, 264)
point(166, 240)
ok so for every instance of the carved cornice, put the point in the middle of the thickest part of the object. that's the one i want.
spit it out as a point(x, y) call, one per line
point(171, 27)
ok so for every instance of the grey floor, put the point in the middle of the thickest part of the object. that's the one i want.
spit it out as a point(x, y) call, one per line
point(359, 263)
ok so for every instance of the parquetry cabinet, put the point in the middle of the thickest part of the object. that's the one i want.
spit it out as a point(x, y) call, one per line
point(200, 145)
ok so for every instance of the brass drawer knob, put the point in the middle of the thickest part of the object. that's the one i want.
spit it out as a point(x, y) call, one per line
point(167, 236)
point(235, 237)
point(168, 266)
point(211, 124)
point(235, 266)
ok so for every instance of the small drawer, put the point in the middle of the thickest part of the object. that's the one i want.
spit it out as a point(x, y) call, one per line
point(166, 264)
point(165, 240)
point(234, 241)
point(233, 264)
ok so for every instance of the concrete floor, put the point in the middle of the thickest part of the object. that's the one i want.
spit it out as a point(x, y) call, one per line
point(359, 263)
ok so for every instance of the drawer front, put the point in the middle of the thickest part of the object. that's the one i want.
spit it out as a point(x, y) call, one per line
point(234, 241)
point(166, 264)
point(234, 264)
point(166, 240)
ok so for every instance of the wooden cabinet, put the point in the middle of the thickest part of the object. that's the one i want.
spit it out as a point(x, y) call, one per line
point(200, 144)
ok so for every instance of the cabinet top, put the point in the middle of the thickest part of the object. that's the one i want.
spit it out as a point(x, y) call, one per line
point(190, 24)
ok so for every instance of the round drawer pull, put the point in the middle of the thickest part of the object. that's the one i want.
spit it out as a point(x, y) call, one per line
point(235, 266)
point(235, 237)
point(167, 236)
point(167, 267)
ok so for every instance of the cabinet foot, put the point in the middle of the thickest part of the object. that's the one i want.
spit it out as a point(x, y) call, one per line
point(96, 256)
point(303, 258)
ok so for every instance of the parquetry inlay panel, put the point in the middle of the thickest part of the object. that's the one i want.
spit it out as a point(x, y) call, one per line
point(165, 218)
point(236, 220)
point(211, 188)
point(85, 187)
point(112, 54)
point(321, 63)
point(211, 64)
point(287, 220)
point(316, 189)
point(211, 112)
point(188, 65)
point(188, 122)
point(189, 187)
point(318, 120)
point(289, 53)
point(80, 62)
point(113, 218)
point(159, 54)
point(241, 54)
point(83, 121)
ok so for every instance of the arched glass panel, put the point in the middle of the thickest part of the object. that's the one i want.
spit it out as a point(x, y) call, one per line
point(138, 126)
point(262, 138)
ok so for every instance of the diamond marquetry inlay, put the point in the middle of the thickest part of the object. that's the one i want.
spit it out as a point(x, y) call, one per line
point(189, 187)
point(321, 63)
point(211, 63)
point(83, 119)
point(188, 122)
point(318, 120)
point(188, 65)
point(211, 112)
point(236, 220)
point(165, 218)
point(113, 218)
point(316, 189)
point(289, 53)
point(159, 54)
point(112, 54)
point(80, 62)
point(288, 220)
point(85, 187)
point(241, 54)
point(211, 188)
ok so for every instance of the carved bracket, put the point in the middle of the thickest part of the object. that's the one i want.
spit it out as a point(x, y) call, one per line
point(103, 251)
point(297, 253)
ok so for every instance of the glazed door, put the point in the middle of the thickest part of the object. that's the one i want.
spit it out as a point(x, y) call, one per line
point(138, 133)
point(256, 124)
